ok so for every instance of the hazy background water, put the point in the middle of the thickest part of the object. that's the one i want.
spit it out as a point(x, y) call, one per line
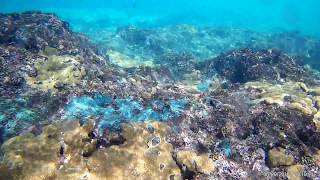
point(258, 15)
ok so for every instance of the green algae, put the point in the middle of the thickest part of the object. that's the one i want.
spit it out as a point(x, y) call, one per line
point(26, 115)
point(2, 117)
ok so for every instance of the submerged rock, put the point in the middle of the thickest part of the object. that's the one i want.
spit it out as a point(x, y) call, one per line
point(241, 66)
point(34, 31)
point(134, 35)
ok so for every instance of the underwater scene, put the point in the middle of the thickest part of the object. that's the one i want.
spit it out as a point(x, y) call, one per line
point(159, 90)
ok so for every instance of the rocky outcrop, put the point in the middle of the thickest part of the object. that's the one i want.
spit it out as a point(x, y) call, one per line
point(245, 65)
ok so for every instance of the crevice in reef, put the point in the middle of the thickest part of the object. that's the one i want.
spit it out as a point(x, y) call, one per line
point(185, 172)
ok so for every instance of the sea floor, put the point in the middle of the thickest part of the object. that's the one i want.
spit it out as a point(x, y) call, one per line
point(169, 102)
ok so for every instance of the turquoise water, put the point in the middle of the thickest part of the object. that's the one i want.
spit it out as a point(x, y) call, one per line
point(110, 113)
point(258, 15)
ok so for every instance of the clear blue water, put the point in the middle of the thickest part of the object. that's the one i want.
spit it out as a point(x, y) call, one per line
point(258, 15)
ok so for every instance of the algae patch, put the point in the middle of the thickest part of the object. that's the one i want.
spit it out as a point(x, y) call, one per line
point(55, 72)
point(125, 61)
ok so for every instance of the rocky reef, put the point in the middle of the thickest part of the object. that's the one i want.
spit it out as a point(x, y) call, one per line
point(202, 43)
point(246, 65)
point(138, 105)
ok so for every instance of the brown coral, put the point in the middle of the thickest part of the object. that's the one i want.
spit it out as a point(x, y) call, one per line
point(145, 155)
point(58, 153)
point(196, 163)
point(293, 95)
point(30, 157)
point(295, 172)
point(278, 157)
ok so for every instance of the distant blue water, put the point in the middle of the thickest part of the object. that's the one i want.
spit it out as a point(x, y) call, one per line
point(259, 15)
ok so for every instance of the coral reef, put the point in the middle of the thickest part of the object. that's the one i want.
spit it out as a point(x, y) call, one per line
point(204, 42)
point(67, 152)
point(37, 43)
point(41, 60)
point(293, 95)
point(70, 109)
point(14, 64)
point(16, 116)
point(232, 125)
